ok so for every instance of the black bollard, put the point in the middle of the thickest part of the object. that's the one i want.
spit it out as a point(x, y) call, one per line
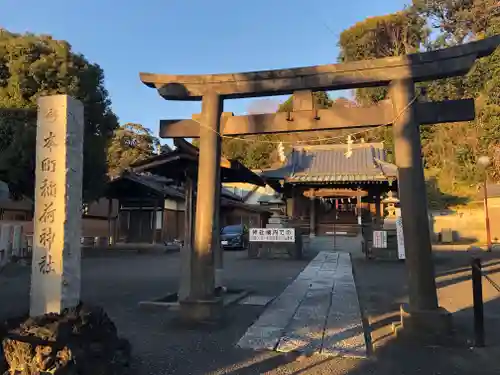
point(477, 293)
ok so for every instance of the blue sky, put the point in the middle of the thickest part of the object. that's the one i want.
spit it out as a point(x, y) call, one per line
point(190, 37)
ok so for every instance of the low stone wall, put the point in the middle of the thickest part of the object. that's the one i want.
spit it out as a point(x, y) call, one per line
point(90, 227)
point(467, 224)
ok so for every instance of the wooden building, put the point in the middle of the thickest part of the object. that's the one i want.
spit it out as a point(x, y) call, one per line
point(336, 184)
point(152, 209)
point(152, 197)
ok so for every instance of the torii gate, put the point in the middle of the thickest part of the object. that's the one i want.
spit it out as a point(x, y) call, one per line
point(402, 110)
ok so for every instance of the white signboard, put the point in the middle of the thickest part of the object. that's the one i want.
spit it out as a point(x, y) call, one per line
point(272, 235)
point(380, 239)
point(400, 236)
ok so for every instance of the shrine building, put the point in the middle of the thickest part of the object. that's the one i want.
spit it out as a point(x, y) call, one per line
point(335, 184)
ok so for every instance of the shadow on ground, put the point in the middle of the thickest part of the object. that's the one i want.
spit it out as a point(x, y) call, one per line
point(381, 292)
point(160, 346)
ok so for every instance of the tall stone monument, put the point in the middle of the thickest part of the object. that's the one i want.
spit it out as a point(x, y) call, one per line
point(55, 280)
point(85, 338)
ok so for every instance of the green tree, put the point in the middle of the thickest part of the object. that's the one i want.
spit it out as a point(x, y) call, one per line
point(450, 150)
point(130, 143)
point(394, 34)
point(454, 149)
point(260, 151)
point(17, 145)
point(459, 20)
point(390, 35)
point(36, 65)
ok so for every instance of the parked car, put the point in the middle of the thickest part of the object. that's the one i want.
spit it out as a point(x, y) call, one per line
point(234, 237)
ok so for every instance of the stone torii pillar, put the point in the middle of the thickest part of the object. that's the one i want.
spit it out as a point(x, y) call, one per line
point(201, 304)
point(423, 308)
point(187, 249)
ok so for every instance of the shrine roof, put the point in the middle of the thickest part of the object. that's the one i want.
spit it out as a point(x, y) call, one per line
point(175, 163)
point(132, 185)
point(331, 164)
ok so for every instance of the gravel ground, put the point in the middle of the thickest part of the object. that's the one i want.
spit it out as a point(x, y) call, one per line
point(160, 346)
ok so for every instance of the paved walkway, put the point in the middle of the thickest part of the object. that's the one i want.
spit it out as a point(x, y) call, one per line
point(317, 313)
point(340, 243)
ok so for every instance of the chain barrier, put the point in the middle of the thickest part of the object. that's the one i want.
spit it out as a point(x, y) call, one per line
point(489, 279)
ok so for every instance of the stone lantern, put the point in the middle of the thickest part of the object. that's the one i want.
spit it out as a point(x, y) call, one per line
point(278, 219)
point(390, 205)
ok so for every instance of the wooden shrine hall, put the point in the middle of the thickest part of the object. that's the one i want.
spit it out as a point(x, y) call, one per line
point(336, 184)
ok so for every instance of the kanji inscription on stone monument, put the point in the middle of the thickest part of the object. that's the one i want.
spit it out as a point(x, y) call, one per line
point(55, 281)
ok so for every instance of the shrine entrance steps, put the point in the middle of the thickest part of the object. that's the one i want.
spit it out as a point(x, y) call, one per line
point(318, 313)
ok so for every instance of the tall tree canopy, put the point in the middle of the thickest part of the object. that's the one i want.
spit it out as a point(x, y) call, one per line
point(450, 150)
point(130, 143)
point(459, 20)
point(394, 34)
point(35, 65)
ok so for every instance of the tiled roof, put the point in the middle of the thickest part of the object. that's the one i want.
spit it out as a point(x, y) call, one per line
point(329, 163)
point(163, 186)
point(155, 183)
point(174, 163)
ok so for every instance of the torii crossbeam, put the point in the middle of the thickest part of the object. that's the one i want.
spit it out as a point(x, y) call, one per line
point(403, 111)
point(336, 117)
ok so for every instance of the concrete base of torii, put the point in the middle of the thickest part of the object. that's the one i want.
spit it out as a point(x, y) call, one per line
point(429, 325)
point(199, 312)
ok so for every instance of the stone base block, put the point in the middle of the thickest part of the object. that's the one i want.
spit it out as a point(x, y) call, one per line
point(81, 340)
point(201, 311)
point(435, 325)
point(171, 300)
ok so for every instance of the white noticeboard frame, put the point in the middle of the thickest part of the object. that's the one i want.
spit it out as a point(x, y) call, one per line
point(400, 236)
point(272, 234)
point(380, 239)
